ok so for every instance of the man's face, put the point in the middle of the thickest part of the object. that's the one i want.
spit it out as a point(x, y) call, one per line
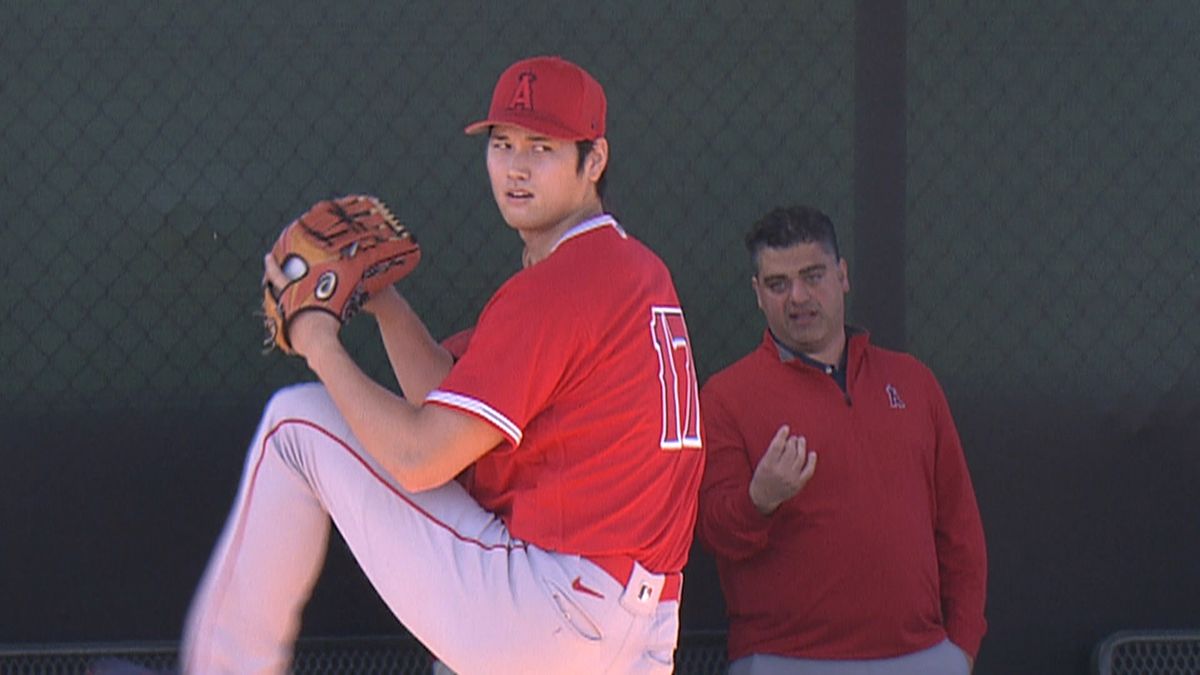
point(535, 180)
point(801, 290)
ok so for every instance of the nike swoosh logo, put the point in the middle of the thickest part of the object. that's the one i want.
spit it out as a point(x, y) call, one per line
point(578, 587)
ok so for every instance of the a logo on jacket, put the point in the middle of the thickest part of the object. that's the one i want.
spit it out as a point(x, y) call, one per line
point(894, 399)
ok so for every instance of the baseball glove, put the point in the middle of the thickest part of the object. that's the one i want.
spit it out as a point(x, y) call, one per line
point(335, 256)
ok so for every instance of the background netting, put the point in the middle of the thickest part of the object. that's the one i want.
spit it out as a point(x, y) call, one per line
point(1053, 208)
point(152, 152)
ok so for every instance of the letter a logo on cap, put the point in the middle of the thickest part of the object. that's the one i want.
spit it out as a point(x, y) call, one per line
point(522, 98)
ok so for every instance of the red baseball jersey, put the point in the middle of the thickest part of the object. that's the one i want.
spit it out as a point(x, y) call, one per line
point(583, 362)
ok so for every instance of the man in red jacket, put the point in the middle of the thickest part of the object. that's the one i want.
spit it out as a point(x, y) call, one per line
point(875, 562)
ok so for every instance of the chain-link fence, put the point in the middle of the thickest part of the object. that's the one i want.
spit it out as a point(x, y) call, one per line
point(1054, 217)
point(153, 150)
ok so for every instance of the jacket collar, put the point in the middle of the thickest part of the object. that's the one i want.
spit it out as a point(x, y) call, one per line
point(857, 339)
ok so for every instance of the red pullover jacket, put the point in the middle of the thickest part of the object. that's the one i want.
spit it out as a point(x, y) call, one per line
point(882, 553)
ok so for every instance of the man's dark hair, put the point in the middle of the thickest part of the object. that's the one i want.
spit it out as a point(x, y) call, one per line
point(786, 226)
point(584, 148)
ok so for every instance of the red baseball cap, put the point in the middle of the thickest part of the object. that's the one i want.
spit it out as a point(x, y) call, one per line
point(549, 95)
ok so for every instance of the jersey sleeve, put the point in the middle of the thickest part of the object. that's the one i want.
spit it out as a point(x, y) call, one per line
point(958, 534)
point(520, 353)
point(728, 523)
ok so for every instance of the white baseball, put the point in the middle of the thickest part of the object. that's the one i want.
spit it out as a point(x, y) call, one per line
point(294, 268)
